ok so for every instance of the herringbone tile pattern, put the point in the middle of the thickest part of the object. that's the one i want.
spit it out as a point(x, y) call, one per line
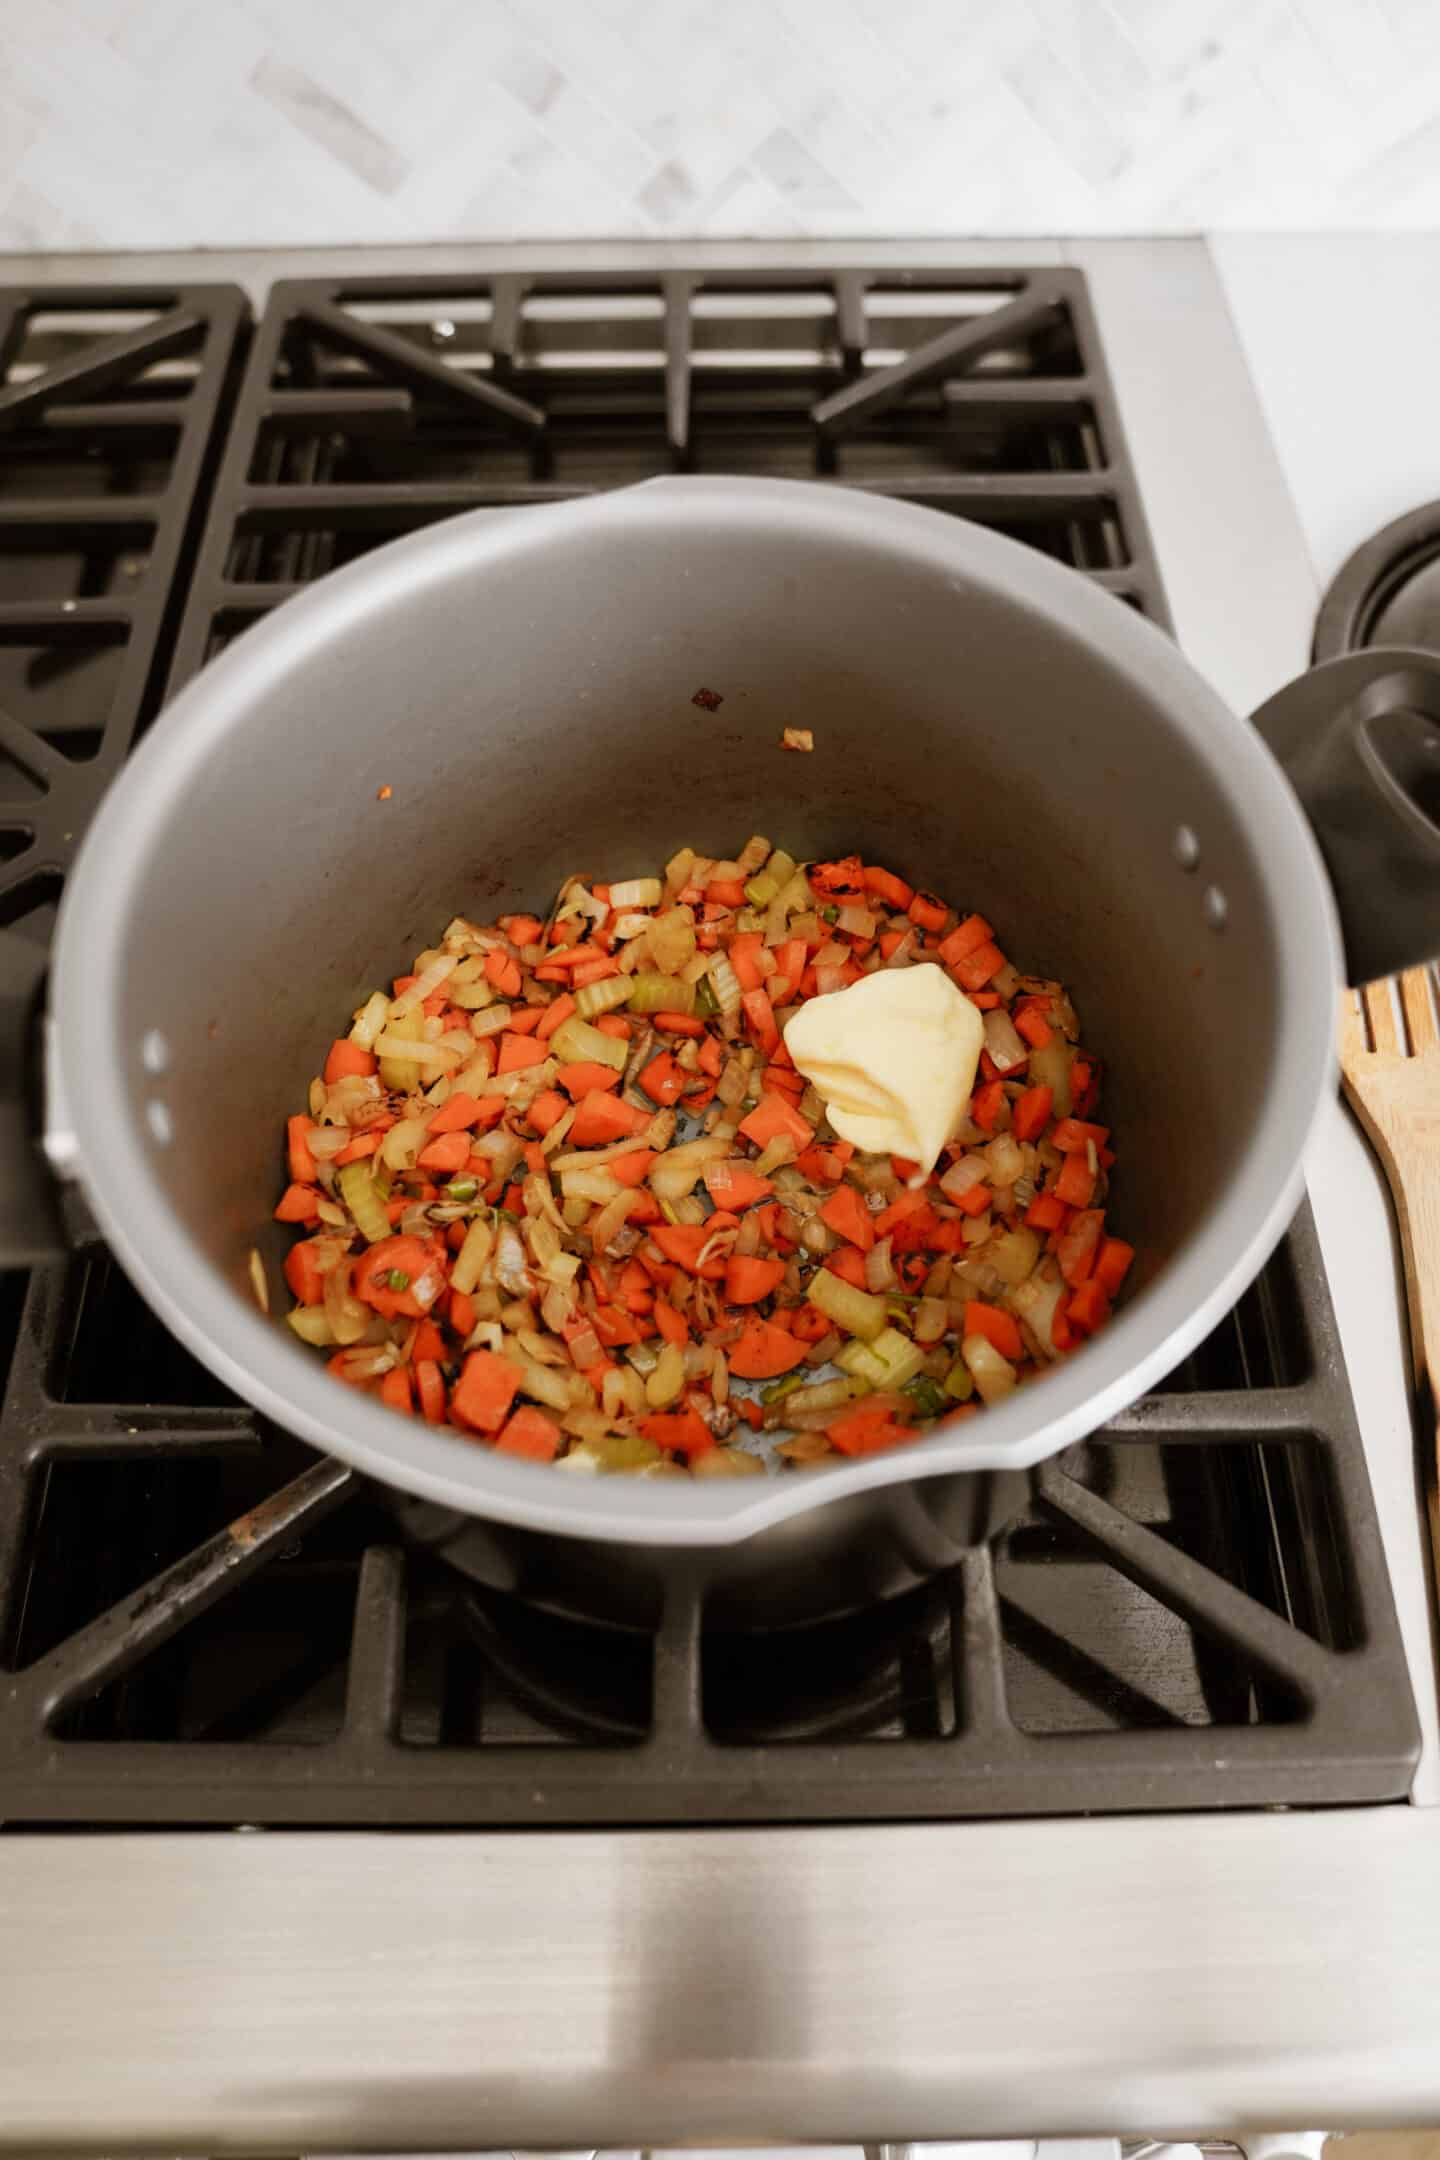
point(281, 122)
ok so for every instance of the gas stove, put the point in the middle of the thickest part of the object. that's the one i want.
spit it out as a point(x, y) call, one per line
point(205, 1625)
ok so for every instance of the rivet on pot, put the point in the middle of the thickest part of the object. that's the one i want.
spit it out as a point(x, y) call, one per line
point(1185, 847)
point(160, 1122)
point(154, 1051)
point(1215, 907)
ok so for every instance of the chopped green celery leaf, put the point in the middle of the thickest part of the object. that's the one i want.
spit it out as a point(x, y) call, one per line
point(784, 1387)
point(398, 1279)
point(929, 1398)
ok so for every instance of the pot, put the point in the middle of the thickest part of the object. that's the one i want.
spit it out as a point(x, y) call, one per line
point(465, 717)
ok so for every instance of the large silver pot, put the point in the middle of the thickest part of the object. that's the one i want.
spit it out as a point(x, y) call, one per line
point(520, 685)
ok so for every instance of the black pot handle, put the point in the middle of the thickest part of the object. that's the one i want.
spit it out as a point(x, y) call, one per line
point(1359, 738)
point(31, 1226)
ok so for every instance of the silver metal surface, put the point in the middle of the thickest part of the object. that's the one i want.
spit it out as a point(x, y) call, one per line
point(294, 1993)
point(1158, 1975)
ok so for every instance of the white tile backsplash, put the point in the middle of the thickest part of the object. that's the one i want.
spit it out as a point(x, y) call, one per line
point(157, 123)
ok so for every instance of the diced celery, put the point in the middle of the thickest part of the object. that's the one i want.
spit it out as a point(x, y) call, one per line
point(575, 1042)
point(957, 1383)
point(900, 1358)
point(403, 1074)
point(854, 1310)
point(603, 996)
point(357, 1190)
point(858, 1359)
point(660, 993)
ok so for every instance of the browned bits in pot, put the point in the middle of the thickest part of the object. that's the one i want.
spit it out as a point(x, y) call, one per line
point(798, 738)
point(708, 700)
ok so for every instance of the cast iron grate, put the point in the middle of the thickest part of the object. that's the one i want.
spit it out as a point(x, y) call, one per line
point(109, 397)
point(373, 407)
point(203, 1622)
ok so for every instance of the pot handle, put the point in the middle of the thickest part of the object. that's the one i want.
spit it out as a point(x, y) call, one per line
point(1359, 738)
point(31, 1229)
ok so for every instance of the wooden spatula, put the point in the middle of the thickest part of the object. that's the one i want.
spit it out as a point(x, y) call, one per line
point(1390, 1062)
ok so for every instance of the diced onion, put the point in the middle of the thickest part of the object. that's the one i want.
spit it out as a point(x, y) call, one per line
point(426, 984)
point(853, 1310)
point(637, 892)
point(1003, 1042)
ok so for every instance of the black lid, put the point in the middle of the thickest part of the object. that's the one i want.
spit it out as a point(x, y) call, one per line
point(1388, 592)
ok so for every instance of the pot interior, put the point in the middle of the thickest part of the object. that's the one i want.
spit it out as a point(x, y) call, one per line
point(455, 729)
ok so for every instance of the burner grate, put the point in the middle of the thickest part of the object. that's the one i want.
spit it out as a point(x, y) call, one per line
point(371, 408)
point(201, 1621)
point(109, 398)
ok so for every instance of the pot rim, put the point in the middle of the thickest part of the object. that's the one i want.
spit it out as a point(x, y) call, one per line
point(90, 1127)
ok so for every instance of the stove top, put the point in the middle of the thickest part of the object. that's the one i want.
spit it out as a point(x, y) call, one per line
point(203, 1622)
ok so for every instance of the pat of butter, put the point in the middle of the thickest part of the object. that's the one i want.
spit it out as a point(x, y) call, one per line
point(894, 1056)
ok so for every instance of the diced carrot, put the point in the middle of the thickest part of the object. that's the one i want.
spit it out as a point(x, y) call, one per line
point(514, 1199)
point(985, 1000)
point(865, 1432)
point(966, 938)
point(522, 929)
point(631, 1170)
point(1031, 1113)
point(749, 1279)
point(683, 1243)
point(669, 1322)
point(518, 1051)
point(986, 1104)
point(733, 1184)
point(428, 1342)
point(1078, 1244)
point(712, 1057)
point(928, 912)
point(1112, 1264)
point(761, 1017)
point(1072, 1134)
point(750, 1410)
point(1035, 1028)
point(297, 1149)
point(996, 1326)
point(603, 1118)
point(485, 1390)
point(663, 1080)
point(346, 1060)
point(525, 1020)
point(492, 1109)
point(744, 954)
point(764, 1351)
point(887, 887)
point(808, 1322)
point(462, 1314)
point(529, 1434)
point(1084, 1086)
point(559, 1009)
point(503, 970)
point(822, 1165)
point(446, 1155)
point(677, 1023)
point(356, 1150)
point(407, 1256)
point(615, 1328)
point(904, 1169)
point(304, 1274)
point(535, 1158)
point(848, 1262)
point(456, 1114)
point(841, 879)
point(585, 1078)
point(976, 969)
point(679, 1432)
point(1075, 1184)
point(726, 892)
point(594, 971)
point(905, 1204)
point(395, 1389)
point(1045, 1212)
point(430, 1386)
point(847, 1215)
point(1088, 1307)
point(614, 1024)
point(774, 1116)
point(298, 1203)
point(976, 1200)
point(790, 959)
point(547, 1110)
